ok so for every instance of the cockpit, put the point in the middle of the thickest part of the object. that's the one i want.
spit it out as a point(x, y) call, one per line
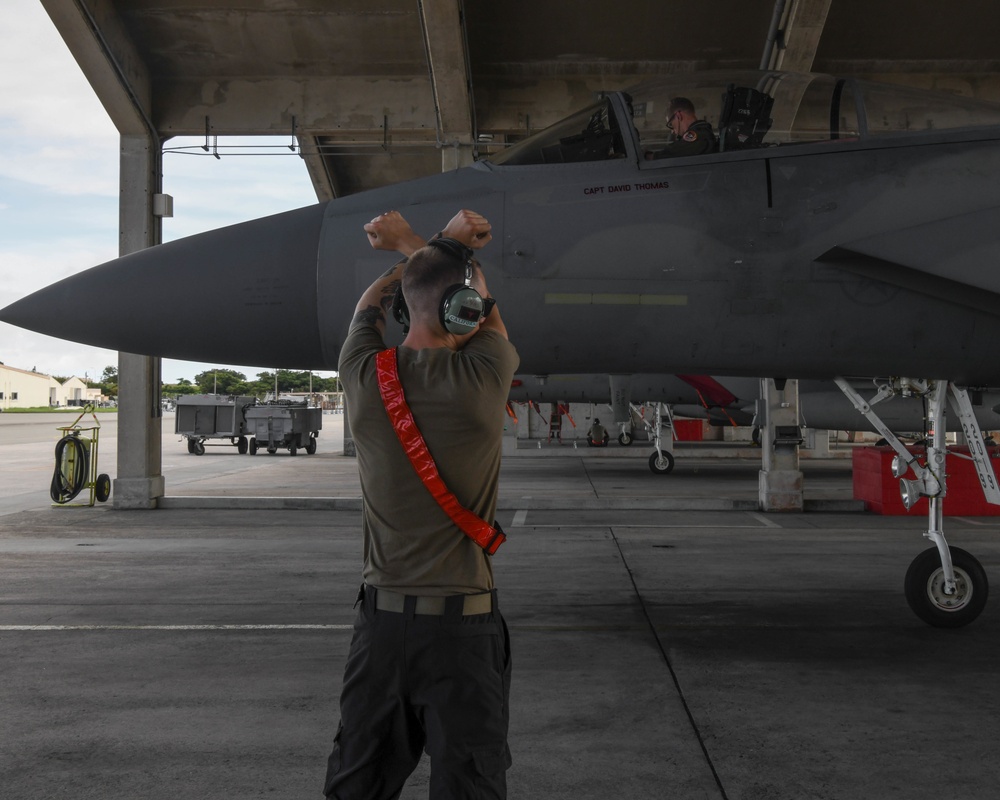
point(747, 110)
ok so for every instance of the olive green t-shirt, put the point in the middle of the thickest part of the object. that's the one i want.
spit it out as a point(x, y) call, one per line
point(458, 400)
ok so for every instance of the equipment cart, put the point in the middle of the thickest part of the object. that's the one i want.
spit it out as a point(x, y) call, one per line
point(201, 417)
point(76, 463)
point(291, 424)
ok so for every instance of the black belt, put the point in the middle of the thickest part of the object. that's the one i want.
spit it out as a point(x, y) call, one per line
point(432, 605)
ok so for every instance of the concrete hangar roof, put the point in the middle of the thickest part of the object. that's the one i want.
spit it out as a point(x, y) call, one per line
point(378, 91)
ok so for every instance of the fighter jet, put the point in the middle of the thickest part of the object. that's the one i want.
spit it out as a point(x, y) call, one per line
point(844, 228)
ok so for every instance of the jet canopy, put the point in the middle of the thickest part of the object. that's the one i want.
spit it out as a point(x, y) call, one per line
point(750, 110)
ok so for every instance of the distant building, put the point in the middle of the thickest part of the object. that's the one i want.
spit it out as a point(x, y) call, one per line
point(73, 392)
point(20, 388)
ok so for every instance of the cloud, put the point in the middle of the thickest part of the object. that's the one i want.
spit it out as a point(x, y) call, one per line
point(59, 187)
point(54, 130)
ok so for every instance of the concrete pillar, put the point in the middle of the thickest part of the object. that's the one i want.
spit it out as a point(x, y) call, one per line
point(667, 433)
point(455, 156)
point(139, 483)
point(780, 482)
point(820, 443)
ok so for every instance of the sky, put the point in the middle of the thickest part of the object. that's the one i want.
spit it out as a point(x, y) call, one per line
point(59, 188)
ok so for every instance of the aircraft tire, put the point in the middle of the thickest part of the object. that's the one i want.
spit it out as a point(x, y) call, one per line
point(661, 464)
point(242, 445)
point(625, 439)
point(924, 586)
point(197, 447)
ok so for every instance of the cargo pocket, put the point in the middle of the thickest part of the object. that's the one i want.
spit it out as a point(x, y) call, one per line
point(492, 764)
point(333, 763)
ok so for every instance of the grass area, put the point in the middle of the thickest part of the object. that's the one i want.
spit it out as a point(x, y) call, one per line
point(60, 410)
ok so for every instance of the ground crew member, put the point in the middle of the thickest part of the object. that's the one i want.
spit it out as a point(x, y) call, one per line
point(429, 664)
point(597, 436)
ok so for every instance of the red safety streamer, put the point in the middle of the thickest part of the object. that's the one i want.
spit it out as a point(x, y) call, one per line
point(482, 533)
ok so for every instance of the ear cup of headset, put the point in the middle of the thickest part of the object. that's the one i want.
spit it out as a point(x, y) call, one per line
point(461, 309)
point(400, 312)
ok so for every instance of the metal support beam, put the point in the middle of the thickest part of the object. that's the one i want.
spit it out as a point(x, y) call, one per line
point(139, 483)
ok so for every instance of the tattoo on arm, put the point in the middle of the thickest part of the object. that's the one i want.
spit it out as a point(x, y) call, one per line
point(388, 291)
point(370, 315)
point(393, 268)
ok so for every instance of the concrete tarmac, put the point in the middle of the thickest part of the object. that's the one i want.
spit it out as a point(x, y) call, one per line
point(669, 641)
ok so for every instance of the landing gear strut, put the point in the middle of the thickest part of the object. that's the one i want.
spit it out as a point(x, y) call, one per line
point(661, 462)
point(945, 586)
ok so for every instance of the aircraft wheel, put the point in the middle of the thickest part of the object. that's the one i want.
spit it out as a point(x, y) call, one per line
point(242, 445)
point(311, 446)
point(253, 445)
point(102, 489)
point(197, 447)
point(625, 439)
point(925, 589)
point(661, 463)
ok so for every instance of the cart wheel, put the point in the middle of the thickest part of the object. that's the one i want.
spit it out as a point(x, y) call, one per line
point(242, 445)
point(102, 489)
point(191, 446)
point(272, 450)
point(293, 450)
point(311, 446)
point(253, 445)
point(198, 447)
point(625, 439)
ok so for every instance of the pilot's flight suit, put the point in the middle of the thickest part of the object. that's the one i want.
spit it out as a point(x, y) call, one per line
point(698, 140)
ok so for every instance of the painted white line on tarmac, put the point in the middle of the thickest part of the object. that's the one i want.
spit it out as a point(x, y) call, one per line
point(519, 518)
point(176, 627)
point(652, 525)
point(770, 523)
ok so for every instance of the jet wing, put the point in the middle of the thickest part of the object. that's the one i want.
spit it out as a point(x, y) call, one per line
point(951, 259)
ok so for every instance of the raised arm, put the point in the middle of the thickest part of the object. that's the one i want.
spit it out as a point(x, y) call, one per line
point(390, 231)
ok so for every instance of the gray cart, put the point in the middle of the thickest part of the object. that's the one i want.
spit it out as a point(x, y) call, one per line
point(289, 424)
point(212, 416)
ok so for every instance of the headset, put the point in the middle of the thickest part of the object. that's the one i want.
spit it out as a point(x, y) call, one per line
point(461, 307)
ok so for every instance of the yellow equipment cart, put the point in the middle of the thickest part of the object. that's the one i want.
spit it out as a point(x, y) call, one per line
point(76, 463)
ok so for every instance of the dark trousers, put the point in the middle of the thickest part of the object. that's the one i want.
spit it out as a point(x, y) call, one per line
point(417, 681)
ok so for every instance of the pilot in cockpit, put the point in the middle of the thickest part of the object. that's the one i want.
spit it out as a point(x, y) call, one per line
point(691, 136)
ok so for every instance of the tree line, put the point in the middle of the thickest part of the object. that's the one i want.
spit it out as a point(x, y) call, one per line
point(229, 381)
